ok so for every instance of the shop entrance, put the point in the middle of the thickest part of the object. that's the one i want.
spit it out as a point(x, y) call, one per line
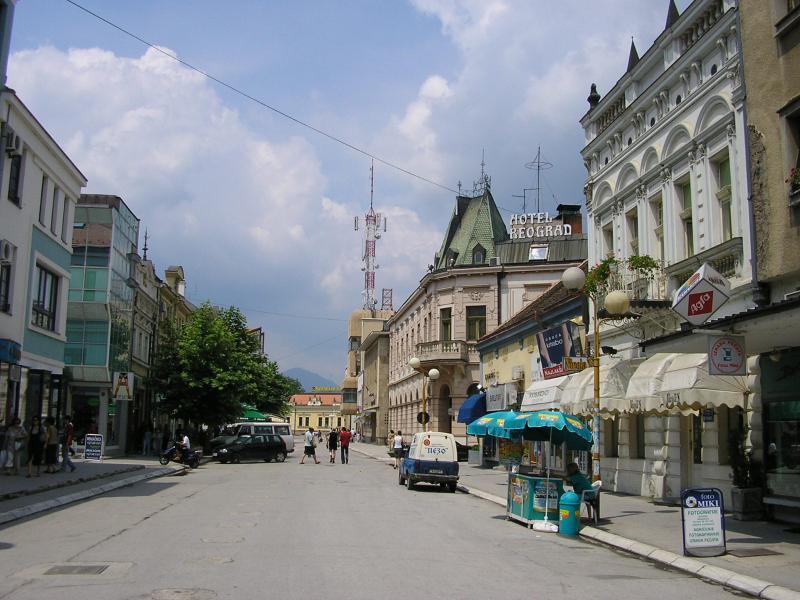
point(691, 447)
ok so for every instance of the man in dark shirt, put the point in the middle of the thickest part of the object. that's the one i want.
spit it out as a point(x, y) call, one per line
point(578, 480)
point(344, 441)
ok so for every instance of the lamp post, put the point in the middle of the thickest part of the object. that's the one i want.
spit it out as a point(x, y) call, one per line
point(433, 375)
point(617, 304)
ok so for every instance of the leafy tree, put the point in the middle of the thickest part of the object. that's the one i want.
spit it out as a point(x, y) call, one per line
point(210, 367)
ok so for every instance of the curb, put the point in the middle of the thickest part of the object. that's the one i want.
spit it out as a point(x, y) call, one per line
point(68, 482)
point(38, 507)
point(742, 583)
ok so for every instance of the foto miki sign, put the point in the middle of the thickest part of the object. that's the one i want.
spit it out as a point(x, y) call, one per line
point(702, 295)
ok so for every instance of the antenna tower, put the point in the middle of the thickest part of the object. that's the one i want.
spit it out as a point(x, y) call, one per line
point(538, 165)
point(373, 223)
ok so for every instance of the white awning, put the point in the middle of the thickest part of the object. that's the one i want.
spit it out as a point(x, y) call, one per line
point(688, 386)
point(578, 396)
point(646, 382)
point(544, 394)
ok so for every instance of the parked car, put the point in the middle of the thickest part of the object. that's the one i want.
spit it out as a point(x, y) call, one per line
point(232, 432)
point(253, 447)
point(432, 458)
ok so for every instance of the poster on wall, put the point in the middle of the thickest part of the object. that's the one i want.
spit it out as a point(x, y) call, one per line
point(536, 367)
point(555, 345)
point(122, 386)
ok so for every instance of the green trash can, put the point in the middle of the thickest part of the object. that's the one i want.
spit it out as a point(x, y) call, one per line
point(569, 512)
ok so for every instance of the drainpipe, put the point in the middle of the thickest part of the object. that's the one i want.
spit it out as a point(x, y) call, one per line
point(760, 291)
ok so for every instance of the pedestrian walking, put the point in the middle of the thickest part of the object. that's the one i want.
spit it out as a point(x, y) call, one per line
point(13, 444)
point(333, 444)
point(66, 444)
point(35, 445)
point(147, 440)
point(50, 445)
point(344, 441)
point(397, 445)
point(309, 446)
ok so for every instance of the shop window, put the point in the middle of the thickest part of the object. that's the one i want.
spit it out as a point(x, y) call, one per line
point(697, 439)
point(476, 322)
point(446, 324)
point(15, 179)
point(637, 437)
point(46, 299)
point(610, 428)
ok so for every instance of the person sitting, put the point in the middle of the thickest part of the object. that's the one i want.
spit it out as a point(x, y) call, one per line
point(578, 480)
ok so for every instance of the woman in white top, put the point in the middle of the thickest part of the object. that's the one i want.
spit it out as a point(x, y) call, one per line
point(397, 444)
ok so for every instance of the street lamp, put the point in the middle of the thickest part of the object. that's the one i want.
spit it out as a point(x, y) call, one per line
point(617, 304)
point(433, 375)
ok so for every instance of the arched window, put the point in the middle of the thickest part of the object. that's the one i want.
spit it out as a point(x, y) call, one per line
point(478, 255)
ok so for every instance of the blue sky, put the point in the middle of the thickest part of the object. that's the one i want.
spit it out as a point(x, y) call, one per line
point(259, 211)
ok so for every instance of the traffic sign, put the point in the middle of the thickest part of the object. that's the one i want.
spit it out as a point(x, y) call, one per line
point(702, 295)
point(423, 418)
point(726, 355)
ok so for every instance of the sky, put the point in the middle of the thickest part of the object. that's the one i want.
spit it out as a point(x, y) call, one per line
point(259, 210)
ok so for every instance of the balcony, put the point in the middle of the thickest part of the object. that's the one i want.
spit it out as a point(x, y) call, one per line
point(640, 286)
point(727, 258)
point(431, 354)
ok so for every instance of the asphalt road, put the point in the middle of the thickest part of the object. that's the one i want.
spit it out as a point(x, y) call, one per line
point(289, 531)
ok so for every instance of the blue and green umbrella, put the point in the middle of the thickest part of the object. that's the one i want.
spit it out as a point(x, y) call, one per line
point(492, 424)
point(543, 425)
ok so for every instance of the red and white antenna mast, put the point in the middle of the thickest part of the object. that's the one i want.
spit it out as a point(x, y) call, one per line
point(373, 223)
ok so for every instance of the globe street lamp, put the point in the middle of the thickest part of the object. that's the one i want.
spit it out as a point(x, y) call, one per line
point(432, 375)
point(617, 304)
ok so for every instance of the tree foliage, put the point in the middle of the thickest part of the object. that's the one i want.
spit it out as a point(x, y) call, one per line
point(212, 365)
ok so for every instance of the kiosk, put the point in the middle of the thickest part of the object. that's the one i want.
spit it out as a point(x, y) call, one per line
point(530, 498)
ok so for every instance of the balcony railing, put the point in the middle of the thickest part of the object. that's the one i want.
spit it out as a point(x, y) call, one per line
point(447, 350)
point(637, 284)
point(727, 258)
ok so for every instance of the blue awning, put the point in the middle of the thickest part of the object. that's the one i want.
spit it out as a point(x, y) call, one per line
point(473, 408)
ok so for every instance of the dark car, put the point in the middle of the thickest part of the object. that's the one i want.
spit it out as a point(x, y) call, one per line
point(254, 447)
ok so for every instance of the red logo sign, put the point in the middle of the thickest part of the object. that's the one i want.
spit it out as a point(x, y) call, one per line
point(701, 304)
point(426, 442)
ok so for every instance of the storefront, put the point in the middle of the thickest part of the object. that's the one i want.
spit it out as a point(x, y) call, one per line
point(10, 375)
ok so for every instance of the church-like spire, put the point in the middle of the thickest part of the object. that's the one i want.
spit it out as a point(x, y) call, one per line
point(672, 14)
point(633, 57)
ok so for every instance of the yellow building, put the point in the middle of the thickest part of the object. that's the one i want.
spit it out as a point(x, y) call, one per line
point(322, 411)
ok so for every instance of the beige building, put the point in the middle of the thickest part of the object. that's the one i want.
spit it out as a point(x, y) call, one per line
point(375, 387)
point(480, 277)
point(362, 323)
point(322, 411)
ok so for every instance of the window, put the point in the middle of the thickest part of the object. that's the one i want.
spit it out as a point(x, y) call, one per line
point(15, 179)
point(65, 220)
point(478, 255)
point(54, 211)
point(5, 287)
point(44, 303)
point(632, 220)
point(446, 326)
point(476, 322)
point(638, 445)
point(43, 200)
point(713, 69)
point(608, 239)
point(722, 171)
point(678, 100)
point(652, 121)
point(657, 212)
point(611, 437)
point(327, 421)
point(338, 421)
point(685, 198)
point(319, 421)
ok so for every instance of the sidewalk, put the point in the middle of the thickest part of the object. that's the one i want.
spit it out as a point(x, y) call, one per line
point(22, 497)
point(769, 552)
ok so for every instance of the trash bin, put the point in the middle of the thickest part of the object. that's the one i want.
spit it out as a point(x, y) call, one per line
point(569, 509)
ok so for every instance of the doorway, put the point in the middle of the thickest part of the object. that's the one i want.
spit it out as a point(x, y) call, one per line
point(691, 447)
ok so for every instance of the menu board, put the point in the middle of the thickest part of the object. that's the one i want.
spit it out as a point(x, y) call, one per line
point(93, 447)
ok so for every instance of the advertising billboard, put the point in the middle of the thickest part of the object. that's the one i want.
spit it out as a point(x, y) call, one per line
point(555, 345)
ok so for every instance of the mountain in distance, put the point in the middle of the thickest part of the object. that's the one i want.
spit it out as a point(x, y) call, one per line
point(309, 379)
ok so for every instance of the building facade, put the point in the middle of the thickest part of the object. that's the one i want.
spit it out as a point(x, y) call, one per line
point(667, 179)
point(38, 191)
point(100, 315)
point(322, 411)
point(480, 277)
point(375, 387)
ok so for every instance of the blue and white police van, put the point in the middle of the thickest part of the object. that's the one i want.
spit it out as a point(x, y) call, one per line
point(432, 458)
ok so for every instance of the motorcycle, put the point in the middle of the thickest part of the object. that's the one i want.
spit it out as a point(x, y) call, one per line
point(186, 457)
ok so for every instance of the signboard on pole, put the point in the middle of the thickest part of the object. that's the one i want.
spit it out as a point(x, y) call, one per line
point(93, 446)
point(726, 355)
point(555, 345)
point(122, 387)
point(702, 295)
point(703, 520)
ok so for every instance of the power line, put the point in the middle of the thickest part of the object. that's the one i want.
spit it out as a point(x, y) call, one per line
point(286, 115)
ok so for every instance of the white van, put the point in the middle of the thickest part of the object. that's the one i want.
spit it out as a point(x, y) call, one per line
point(432, 458)
point(255, 428)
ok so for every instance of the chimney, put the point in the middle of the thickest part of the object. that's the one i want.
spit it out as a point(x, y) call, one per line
point(570, 214)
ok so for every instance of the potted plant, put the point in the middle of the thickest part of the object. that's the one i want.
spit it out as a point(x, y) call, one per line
point(748, 482)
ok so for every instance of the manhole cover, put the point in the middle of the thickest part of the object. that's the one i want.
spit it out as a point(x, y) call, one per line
point(76, 570)
point(748, 552)
point(183, 594)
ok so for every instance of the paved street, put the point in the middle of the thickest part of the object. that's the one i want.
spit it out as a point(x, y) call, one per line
point(289, 531)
